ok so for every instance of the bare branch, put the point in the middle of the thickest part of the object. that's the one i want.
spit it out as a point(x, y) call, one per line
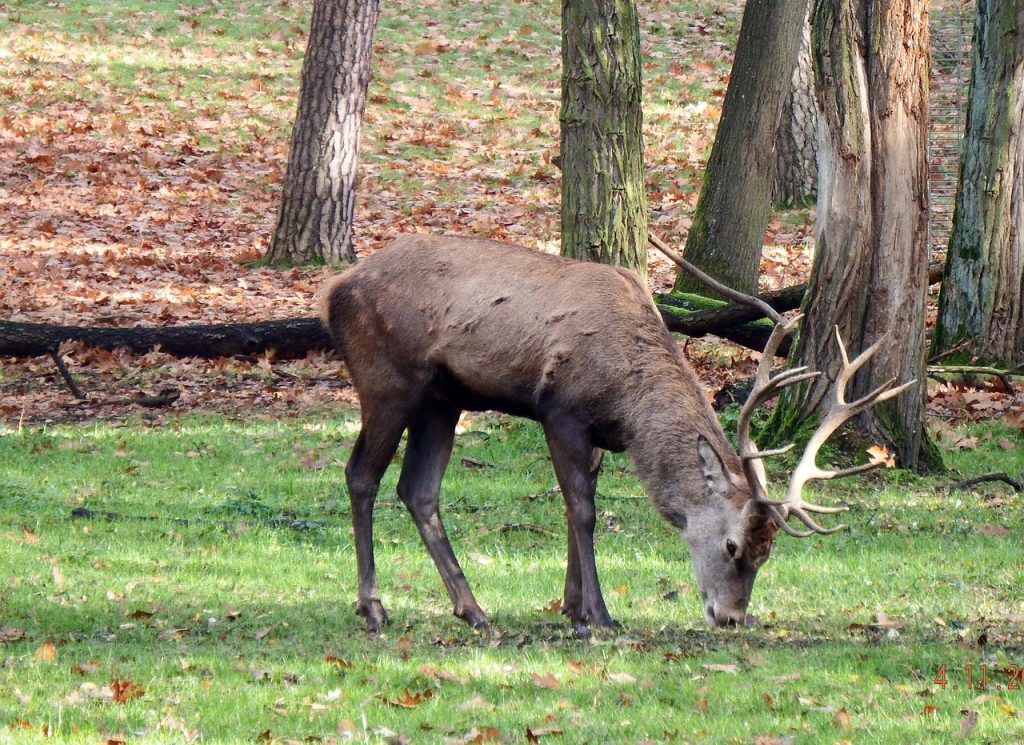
point(995, 476)
point(714, 283)
point(68, 377)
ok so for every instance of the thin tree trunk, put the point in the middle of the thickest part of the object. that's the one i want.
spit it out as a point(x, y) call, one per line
point(796, 142)
point(983, 291)
point(604, 206)
point(314, 222)
point(735, 200)
point(869, 273)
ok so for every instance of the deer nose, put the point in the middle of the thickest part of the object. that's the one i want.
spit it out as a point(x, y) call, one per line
point(722, 618)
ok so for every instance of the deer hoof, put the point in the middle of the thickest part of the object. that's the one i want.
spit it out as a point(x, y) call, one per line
point(474, 617)
point(603, 620)
point(584, 629)
point(374, 613)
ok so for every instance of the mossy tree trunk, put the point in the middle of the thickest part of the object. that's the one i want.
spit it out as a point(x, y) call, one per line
point(604, 206)
point(735, 200)
point(869, 276)
point(982, 295)
point(796, 142)
point(314, 221)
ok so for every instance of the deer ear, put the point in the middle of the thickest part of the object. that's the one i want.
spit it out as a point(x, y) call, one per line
point(712, 467)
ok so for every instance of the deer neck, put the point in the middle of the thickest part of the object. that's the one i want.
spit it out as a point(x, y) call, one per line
point(667, 420)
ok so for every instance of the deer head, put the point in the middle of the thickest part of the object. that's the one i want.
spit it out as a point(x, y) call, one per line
point(726, 558)
point(727, 564)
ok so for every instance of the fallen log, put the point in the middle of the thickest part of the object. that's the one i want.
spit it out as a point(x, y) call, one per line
point(732, 321)
point(290, 338)
point(740, 323)
point(294, 337)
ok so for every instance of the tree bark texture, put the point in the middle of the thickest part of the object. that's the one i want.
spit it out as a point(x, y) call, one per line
point(735, 200)
point(604, 205)
point(796, 142)
point(314, 221)
point(983, 291)
point(869, 276)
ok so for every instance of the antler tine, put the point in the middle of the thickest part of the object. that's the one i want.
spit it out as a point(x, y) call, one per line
point(810, 523)
point(781, 331)
point(839, 412)
point(789, 529)
point(850, 368)
point(769, 453)
point(765, 387)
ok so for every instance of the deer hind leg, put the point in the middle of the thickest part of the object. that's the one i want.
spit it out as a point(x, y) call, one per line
point(576, 464)
point(371, 455)
point(427, 451)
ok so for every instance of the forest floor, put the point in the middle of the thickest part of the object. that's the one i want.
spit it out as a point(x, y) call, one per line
point(145, 143)
point(143, 148)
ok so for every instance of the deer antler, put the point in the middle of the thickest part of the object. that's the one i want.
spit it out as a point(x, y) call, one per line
point(840, 410)
point(766, 387)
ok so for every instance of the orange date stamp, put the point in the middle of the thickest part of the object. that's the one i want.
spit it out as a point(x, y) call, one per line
point(980, 678)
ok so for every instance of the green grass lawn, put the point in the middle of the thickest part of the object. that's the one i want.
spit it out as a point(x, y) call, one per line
point(207, 565)
point(192, 577)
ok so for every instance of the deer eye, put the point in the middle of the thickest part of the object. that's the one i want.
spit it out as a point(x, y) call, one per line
point(730, 547)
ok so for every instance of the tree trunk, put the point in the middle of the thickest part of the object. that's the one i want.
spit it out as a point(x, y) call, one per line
point(735, 200)
point(983, 291)
point(869, 272)
point(796, 142)
point(314, 221)
point(604, 205)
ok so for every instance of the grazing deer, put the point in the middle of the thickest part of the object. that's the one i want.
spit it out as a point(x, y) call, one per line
point(432, 326)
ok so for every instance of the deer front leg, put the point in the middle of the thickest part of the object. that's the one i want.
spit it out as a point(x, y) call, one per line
point(427, 450)
point(574, 460)
point(572, 600)
point(371, 454)
point(572, 603)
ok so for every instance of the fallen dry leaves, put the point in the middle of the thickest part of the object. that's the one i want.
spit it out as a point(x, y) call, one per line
point(408, 700)
point(146, 202)
point(545, 680)
point(11, 633)
point(125, 690)
point(45, 652)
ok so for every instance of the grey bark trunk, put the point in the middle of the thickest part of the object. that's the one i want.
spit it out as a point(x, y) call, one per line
point(314, 221)
point(869, 273)
point(604, 205)
point(983, 290)
point(796, 143)
point(735, 200)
